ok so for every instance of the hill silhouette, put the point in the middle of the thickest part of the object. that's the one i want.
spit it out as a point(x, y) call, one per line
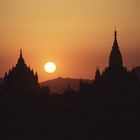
point(60, 84)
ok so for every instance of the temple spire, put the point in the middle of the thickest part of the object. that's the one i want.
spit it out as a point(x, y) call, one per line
point(115, 44)
point(97, 74)
point(20, 53)
point(115, 59)
point(21, 60)
point(115, 33)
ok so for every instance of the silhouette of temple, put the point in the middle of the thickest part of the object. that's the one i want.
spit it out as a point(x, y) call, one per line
point(115, 76)
point(115, 59)
point(21, 77)
point(115, 68)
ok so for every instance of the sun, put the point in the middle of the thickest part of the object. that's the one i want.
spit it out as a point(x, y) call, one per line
point(50, 67)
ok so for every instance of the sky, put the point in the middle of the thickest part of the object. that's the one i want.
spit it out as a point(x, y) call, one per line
point(75, 34)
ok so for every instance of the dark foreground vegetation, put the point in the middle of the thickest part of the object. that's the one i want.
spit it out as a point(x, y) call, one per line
point(71, 116)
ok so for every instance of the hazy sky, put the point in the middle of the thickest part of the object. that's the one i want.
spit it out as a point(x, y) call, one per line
point(76, 34)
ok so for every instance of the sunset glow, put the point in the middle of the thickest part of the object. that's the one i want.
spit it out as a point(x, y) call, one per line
point(76, 34)
point(70, 69)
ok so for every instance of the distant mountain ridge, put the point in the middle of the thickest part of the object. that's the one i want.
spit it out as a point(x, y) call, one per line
point(60, 84)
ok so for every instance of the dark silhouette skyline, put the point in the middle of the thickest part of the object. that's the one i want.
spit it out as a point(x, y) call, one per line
point(106, 108)
point(67, 31)
point(115, 75)
point(21, 77)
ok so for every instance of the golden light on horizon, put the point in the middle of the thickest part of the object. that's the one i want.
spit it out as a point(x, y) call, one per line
point(75, 34)
point(50, 67)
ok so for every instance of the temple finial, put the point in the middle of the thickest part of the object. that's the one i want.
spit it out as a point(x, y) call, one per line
point(115, 33)
point(20, 52)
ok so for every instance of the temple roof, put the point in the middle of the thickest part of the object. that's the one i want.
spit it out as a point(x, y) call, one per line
point(115, 59)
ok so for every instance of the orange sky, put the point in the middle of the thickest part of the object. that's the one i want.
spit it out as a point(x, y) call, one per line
point(76, 34)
